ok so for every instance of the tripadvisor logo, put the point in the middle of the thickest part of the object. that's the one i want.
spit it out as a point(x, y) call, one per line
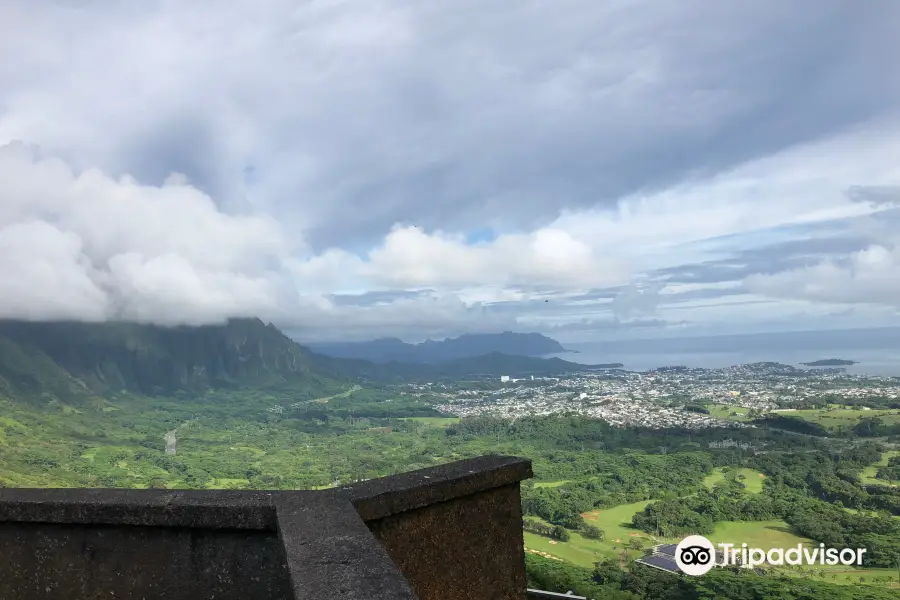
point(696, 555)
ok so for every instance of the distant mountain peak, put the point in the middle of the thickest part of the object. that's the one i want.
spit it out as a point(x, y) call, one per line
point(468, 345)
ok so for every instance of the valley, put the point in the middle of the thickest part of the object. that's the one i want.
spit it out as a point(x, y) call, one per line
point(605, 490)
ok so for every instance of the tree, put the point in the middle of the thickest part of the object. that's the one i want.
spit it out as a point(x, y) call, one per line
point(561, 533)
point(591, 532)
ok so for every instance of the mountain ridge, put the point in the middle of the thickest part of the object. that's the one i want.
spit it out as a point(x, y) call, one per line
point(78, 364)
point(389, 349)
point(73, 361)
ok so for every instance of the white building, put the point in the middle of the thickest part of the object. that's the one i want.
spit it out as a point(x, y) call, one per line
point(504, 378)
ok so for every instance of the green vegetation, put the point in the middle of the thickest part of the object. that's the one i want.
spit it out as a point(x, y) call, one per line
point(343, 394)
point(830, 362)
point(252, 410)
point(577, 550)
point(551, 484)
point(434, 421)
point(870, 416)
point(759, 534)
point(608, 581)
point(432, 352)
point(752, 480)
point(619, 539)
point(79, 365)
point(738, 584)
point(870, 475)
point(837, 419)
point(728, 412)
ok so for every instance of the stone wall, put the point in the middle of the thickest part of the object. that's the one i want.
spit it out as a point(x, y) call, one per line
point(450, 532)
point(49, 560)
point(469, 548)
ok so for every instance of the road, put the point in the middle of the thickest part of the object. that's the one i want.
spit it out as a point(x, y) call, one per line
point(171, 437)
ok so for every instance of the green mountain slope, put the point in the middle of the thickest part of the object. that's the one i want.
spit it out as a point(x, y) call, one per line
point(72, 362)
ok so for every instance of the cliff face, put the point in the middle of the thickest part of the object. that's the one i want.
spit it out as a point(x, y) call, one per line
point(68, 361)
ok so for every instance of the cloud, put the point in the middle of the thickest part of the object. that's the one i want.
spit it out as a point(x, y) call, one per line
point(868, 275)
point(888, 195)
point(773, 258)
point(453, 166)
point(85, 246)
point(81, 245)
point(409, 257)
point(639, 299)
point(434, 316)
point(607, 325)
point(449, 115)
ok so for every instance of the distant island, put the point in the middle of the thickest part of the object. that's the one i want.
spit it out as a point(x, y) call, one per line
point(829, 362)
point(434, 352)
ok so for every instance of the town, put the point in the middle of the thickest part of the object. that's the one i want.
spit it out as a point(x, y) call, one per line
point(665, 397)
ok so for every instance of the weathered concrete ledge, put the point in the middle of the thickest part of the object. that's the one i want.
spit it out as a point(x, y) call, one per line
point(448, 532)
point(383, 497)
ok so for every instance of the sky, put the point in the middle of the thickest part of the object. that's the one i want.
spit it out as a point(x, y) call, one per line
point(350, 170)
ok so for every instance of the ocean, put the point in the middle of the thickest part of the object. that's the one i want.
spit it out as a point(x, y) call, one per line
point(876, 352)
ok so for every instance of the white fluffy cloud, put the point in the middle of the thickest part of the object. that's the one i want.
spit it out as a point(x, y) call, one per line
point(86, 246)
point(337, 148)
point(411, 258)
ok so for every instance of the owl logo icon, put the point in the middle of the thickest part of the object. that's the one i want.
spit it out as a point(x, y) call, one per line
point(695, 555)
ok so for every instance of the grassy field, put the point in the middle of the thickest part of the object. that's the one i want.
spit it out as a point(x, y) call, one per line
point(868, 474)
point(758, 534)
point(778, 534)
point(833, 418)
point(551, 484)
point(729, 412)
point(753, 480)
point(615, 523)
point(577, 550)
